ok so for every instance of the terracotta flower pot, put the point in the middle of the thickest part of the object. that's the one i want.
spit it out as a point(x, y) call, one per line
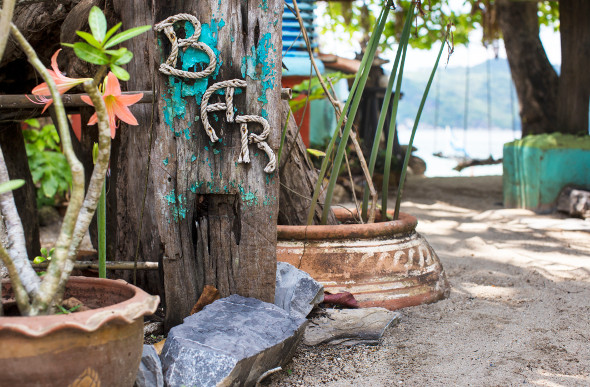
point(385, 264)
point(97, 347)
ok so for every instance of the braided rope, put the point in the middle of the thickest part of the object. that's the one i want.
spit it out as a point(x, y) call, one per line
point(259, 139)
point(229, 102)
point(272, 163)
point(169, 66)
point(244, 152)
point(233, 83)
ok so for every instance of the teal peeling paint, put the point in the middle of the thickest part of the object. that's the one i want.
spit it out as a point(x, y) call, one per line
point(216, 151)
point(207, 148)
point(263, 5)
point(259, 66)
point(264, 113)
point(187, 134)
point(193, 158)
point(165, 161)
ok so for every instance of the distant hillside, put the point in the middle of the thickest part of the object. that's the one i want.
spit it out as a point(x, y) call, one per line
point(451, 98)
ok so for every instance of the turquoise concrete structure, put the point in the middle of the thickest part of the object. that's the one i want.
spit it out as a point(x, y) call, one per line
point(537, 168)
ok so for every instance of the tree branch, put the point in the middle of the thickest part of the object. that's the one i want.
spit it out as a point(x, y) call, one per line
point(7, 11)
point(42, 301)
point(16, 246)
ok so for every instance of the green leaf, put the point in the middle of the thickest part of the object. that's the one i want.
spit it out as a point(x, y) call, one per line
point(32, 122)
point(44, 251)
point(124, 59)
point(120, 72)
point(90, 39)
point(98, 23)
point(51, 251)
point(90, 54)
point(112, 31)
point(11, 185)
point(38, 260)
point(316, 153)
point(70, 45)
point(50, 185)
point(126, 35)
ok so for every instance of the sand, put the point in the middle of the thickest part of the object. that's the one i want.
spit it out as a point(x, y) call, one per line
point(518, 312)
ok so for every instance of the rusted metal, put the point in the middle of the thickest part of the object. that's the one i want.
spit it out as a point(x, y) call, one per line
point(101, 346)
point(385, 264)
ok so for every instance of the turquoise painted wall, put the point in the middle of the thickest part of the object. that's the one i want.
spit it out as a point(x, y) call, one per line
point(535, 173)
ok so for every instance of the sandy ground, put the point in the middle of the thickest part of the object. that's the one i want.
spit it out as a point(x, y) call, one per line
point(518, 313)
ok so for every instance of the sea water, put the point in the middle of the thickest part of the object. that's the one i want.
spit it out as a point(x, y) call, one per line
point(457, 144)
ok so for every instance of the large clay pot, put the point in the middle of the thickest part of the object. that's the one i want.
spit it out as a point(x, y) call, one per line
point(99, 347)
point(385, 264)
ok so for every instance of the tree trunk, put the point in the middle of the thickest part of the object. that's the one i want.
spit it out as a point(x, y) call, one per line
point(13, 146)
point(574, 81)
point(298, 179)
point(206, 218)
point(535, 79)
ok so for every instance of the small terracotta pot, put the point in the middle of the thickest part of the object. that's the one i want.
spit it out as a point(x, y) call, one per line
point(386, 264)
point(102, 346)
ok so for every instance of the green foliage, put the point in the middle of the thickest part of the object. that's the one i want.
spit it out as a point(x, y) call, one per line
point(96, 47)
point(45, 255)
point(11, 185)
point(351, 20)
point(49, 168)
point(315, 89)
point(63, 310)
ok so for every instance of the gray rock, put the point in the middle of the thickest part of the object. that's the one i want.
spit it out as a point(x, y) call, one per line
point(350, 326)
point(575, 202)
point(153, 328)
point(150, 369)
point(231, 342)
point(296, 292)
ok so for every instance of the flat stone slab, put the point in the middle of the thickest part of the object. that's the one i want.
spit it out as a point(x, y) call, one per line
point(150, 369)
point(232, 341)
point(296, 292)
point(349, 326)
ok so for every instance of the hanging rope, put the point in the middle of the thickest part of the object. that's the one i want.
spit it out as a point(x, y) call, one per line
point(244, 120)
point(169, 67)
point(230, 85)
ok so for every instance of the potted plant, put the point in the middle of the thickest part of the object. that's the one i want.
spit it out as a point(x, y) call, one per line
point(103, 343)
point(376, 255)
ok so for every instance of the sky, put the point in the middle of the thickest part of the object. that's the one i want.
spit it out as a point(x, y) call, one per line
point(472, 55)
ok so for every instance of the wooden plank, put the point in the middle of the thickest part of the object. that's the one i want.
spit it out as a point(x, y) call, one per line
point(212, 220)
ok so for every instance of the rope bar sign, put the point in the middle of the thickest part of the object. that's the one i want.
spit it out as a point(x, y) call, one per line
point(227, 87)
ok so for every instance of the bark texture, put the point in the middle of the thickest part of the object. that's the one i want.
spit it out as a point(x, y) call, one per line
point(207, 219)
point(548, 102)
point(535, 79)
point(574, 82)
point(15, 155)
point(298, 178)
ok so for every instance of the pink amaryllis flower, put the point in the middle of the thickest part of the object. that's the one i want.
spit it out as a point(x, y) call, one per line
point(62, 82)
point(116, 104)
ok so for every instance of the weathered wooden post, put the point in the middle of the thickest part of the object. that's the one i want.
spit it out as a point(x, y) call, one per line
point(208, 217)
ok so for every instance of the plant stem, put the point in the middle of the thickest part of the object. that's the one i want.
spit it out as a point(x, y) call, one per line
point(370, 54)
point(7, 12)
point(391, 135)
point(96, 181)
point(329, 149)
point(15, 237)
point(385, 106)
point(48, 288)
point(102, 233)
point(20, 293)
point(416, 121)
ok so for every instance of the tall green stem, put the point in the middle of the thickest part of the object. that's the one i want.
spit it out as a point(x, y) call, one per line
point(330, 148)
point(391, 134)
point(416, 121)
point(356, 94)
point(385, 107)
